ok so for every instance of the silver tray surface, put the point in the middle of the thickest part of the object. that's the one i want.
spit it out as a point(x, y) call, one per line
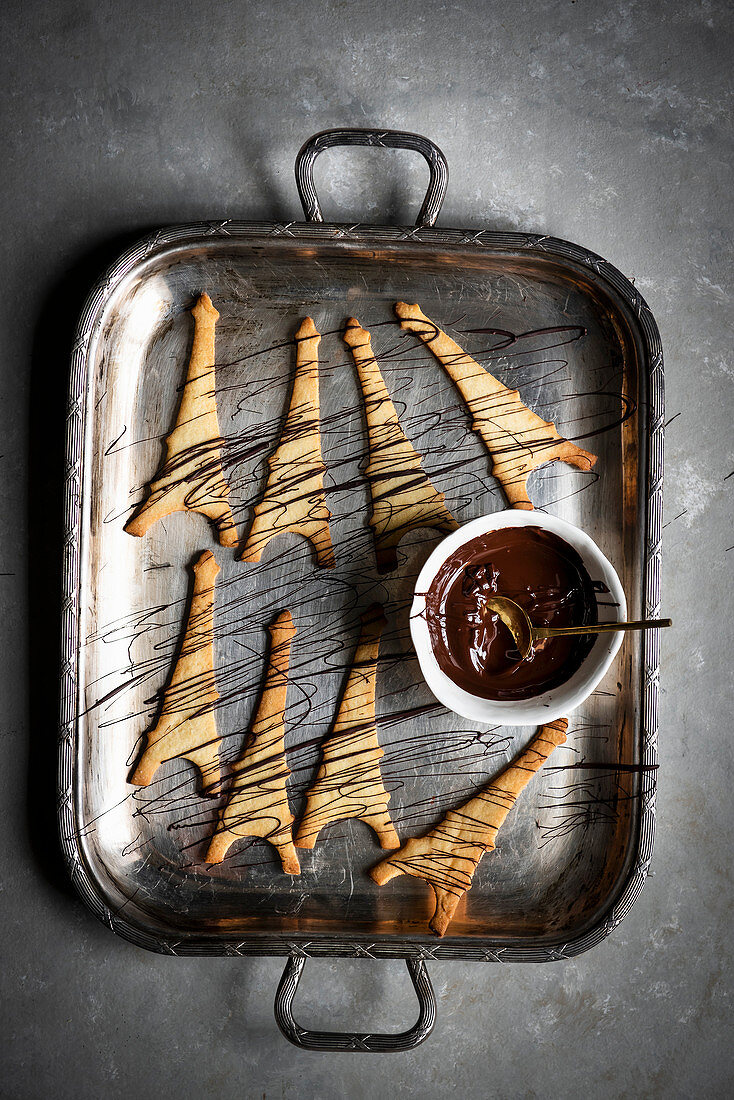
point(583, 349)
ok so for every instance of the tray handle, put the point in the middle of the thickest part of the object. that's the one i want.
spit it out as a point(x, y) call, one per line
point(346, 1041)
point(382, 139)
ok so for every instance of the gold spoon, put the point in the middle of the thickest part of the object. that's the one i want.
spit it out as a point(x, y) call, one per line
point(524, 633)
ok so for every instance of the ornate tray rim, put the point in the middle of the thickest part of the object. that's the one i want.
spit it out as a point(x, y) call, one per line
point(327, 944)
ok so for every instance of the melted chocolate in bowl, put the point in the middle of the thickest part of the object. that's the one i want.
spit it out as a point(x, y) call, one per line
point(473, 646)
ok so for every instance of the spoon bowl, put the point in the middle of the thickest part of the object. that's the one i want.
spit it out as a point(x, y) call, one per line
point(555, 702)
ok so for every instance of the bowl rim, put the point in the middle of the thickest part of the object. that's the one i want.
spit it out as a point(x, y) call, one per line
point(552, 704)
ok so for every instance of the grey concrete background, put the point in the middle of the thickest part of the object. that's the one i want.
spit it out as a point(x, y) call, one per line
point(607, 122)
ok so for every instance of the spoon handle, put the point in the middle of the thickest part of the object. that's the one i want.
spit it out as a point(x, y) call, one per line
point(598, 628)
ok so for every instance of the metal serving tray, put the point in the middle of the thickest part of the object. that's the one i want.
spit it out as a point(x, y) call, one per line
point(544, 315)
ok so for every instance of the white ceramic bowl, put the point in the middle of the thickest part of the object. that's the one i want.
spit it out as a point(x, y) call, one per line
point(551, 704)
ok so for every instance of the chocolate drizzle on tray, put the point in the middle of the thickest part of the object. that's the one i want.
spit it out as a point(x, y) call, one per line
point(463, 758)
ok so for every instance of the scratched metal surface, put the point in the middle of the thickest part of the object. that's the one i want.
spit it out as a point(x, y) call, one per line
point(565, 853)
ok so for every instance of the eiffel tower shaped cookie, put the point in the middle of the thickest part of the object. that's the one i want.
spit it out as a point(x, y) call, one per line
point(403, 497)
point(294, 494)
point(186, 726)
point(258, 801)
point(191, 478)
point(349, 781)
point(448, 855)
point(518, 440)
